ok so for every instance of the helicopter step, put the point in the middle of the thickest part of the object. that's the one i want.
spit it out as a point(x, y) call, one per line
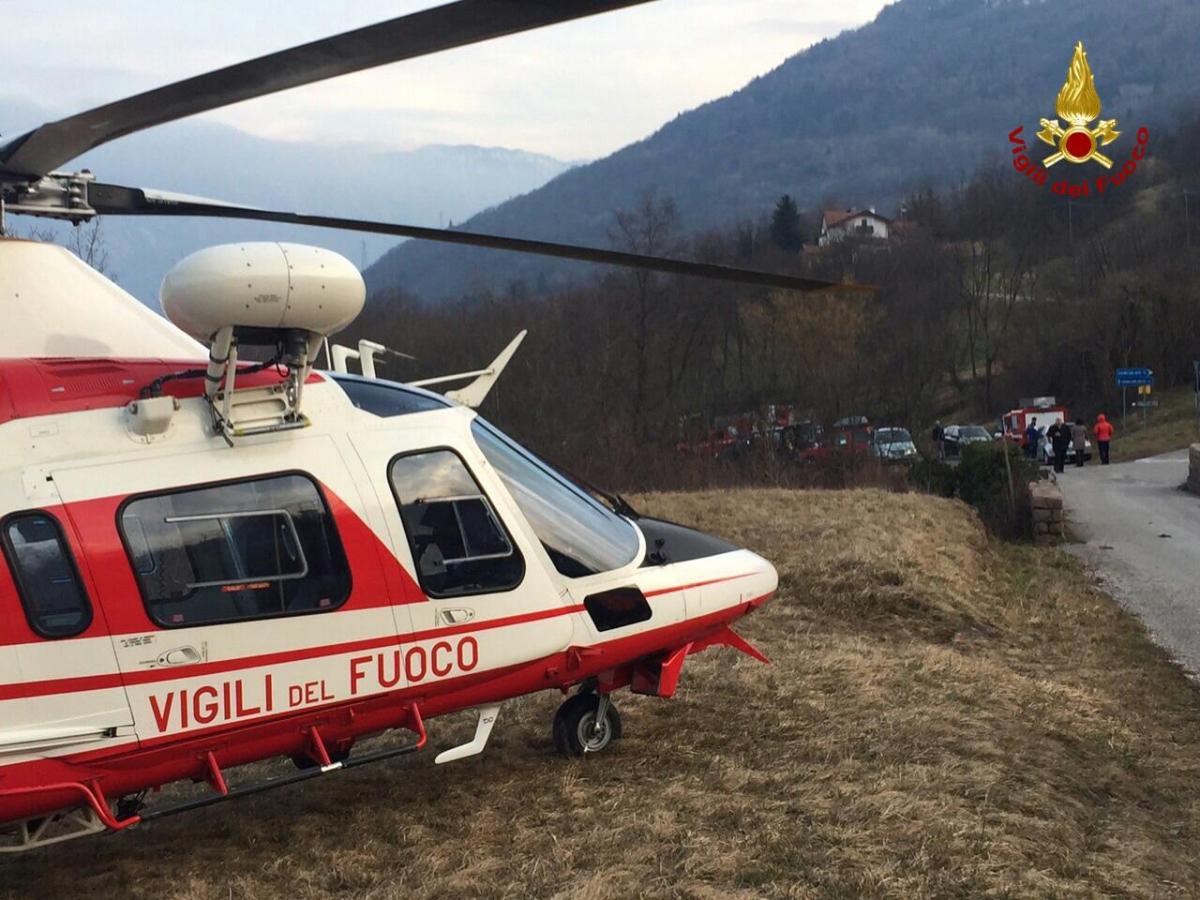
point(483, 730)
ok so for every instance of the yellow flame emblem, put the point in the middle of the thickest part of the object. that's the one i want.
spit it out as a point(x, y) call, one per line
point(1078, 103)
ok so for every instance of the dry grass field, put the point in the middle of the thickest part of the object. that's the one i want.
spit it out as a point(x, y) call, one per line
point(1171, 426)
point(946, 716)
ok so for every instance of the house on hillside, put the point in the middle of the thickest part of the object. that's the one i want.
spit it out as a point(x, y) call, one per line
point(837, 225)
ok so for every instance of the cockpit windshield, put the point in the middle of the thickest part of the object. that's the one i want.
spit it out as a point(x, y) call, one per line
point(581, 535)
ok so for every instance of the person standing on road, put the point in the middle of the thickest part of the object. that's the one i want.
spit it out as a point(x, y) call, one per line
point(1079, 439)
point(1033, 437)
point(1059, 435)
point(939, 439)
point(1104, 432)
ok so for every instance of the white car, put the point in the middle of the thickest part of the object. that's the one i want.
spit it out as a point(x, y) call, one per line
point(893, 445)
point(955, 437)
point(1046, 451)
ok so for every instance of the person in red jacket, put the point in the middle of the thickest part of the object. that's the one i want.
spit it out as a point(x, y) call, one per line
point(1103, 432)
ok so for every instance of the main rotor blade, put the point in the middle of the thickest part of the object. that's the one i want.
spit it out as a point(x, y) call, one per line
point(111, 199)
point(44, 149)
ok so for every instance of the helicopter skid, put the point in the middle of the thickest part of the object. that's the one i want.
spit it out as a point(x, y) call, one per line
point(54, 828)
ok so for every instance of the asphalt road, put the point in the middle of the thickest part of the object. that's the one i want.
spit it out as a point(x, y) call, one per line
point(1140, 532)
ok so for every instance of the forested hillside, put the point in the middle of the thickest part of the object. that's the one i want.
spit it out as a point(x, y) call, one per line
point(995, 290)
point(922, 95)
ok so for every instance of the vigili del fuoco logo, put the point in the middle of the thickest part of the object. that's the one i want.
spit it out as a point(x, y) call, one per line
point(1077, 141)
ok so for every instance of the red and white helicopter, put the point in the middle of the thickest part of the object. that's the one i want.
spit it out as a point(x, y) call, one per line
point(208, 562)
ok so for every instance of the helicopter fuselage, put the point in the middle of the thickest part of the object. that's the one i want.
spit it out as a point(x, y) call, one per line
point(172, 606)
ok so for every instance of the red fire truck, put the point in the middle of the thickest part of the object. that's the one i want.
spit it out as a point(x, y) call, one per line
point(1042, 412)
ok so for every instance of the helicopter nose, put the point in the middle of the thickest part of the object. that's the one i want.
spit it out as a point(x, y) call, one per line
point(753, 584)
point(722, 577)
point(767, 581)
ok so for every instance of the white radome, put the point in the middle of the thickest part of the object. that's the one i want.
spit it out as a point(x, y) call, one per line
point(263, 285)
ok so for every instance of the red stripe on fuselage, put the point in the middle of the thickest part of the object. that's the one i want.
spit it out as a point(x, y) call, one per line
point(696, 584)
point(101, 682)
point(150, 676)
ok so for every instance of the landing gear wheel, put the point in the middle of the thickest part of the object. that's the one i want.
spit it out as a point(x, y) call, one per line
point(586, 723)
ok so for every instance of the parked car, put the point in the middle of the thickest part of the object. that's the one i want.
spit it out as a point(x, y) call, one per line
point(796, 438)
point(720, 443)
point(955, 437)
point(851, 422)
point(841, 442)
point(894, 445)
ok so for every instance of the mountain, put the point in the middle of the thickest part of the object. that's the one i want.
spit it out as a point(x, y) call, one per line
point(430, 186)
point(924, 94)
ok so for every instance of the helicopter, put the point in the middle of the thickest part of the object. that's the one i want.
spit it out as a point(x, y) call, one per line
point(217, 552)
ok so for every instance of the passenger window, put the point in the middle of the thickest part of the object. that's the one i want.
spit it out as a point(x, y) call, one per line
point(45, 574)
point(457, 541)
point(250, 550)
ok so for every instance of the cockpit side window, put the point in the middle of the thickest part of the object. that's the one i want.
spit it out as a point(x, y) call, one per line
point(458, 543)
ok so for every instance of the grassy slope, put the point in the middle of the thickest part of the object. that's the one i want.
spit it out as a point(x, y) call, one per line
point(1171, 426)
point(946, 716)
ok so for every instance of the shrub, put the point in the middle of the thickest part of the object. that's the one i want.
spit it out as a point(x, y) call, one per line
point(934, 477)
point(982, 480)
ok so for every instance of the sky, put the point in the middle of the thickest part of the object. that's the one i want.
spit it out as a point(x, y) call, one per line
point(575, 91)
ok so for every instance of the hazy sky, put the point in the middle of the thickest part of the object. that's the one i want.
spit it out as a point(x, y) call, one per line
point(579, 90)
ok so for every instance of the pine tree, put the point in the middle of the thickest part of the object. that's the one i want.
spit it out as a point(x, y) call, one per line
point(786, 233)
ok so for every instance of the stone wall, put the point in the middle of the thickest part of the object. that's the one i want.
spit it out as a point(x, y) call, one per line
point(1194, 469)
point(1046, 500)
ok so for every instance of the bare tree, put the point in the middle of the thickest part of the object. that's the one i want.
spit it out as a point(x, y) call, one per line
point(649, 228)
point(40, 233)
point(994, 284)
point(88, 243)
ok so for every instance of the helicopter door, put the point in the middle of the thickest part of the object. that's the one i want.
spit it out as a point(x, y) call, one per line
point(226, 579)
point(484, 601)
point(61, 692)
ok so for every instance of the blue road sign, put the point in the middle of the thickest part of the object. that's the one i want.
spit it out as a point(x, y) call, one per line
point(1134, 377)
